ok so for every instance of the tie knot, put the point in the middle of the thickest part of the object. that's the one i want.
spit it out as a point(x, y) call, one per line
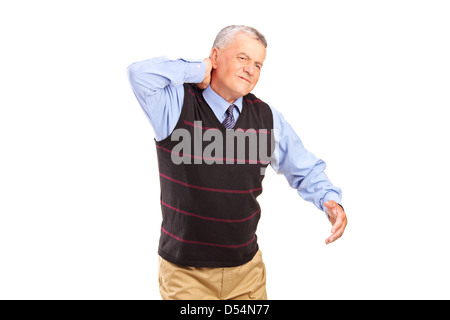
point(230, 109)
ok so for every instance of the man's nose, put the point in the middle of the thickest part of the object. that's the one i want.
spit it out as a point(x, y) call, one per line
point(249, 68)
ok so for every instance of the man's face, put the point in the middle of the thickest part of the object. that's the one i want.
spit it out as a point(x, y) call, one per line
point(237, 67)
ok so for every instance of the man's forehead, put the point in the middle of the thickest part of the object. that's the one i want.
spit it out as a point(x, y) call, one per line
point(244, 44)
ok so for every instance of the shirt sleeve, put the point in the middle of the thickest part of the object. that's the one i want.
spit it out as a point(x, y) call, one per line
point(158, 86)
point(302, 169)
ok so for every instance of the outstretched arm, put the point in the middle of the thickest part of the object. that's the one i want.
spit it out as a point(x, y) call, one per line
point(306, 173)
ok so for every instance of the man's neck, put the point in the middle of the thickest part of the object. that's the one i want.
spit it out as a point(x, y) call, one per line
point(220, 92)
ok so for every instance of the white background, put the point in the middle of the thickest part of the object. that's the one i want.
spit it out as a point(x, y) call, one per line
point(79, 187)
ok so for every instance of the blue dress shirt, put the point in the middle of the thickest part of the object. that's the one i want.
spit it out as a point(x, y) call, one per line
point(158, 86)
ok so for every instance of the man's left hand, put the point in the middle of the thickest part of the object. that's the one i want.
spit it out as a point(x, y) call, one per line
point(338, 220)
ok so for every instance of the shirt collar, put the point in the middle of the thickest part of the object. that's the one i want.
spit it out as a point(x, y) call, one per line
point(218, 104)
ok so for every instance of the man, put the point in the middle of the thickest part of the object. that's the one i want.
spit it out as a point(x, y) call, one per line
point(208, 247)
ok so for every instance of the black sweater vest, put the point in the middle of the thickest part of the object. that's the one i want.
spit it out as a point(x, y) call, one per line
point(209, 184)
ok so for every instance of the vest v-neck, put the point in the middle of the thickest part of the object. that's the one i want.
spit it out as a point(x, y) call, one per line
point(218, 106)
point(236, 125)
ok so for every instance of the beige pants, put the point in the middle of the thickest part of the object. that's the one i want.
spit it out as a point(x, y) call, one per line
point(246, 282)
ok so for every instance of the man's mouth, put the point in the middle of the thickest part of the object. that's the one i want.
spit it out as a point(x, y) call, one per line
point(245, 79)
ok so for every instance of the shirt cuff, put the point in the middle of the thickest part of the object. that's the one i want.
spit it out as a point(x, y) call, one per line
point(195, 71)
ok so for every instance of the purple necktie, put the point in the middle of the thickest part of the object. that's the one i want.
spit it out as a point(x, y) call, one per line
point(229, 120)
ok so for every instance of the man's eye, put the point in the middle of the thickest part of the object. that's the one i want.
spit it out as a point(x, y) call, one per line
point(242, 58)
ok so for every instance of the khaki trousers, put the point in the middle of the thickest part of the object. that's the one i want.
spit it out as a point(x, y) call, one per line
point(245, 282)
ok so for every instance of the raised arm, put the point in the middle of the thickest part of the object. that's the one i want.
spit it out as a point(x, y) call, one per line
point(158, 86)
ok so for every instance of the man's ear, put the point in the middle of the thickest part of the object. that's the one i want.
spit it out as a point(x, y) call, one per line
point(213, 57)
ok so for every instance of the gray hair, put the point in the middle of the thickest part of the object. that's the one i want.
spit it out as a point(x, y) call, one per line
point(227, 34)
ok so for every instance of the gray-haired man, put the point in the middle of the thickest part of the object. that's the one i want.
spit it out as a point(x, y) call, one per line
point(208, 247)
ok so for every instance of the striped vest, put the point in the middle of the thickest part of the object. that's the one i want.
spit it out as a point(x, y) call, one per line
point(210, 178)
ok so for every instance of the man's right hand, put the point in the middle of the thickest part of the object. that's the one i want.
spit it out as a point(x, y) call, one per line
point(205, 83)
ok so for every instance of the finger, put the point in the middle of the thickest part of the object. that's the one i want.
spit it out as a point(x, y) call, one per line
point(337, 233)
point(334, 236)
point(330, 239)
point(338, 223)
